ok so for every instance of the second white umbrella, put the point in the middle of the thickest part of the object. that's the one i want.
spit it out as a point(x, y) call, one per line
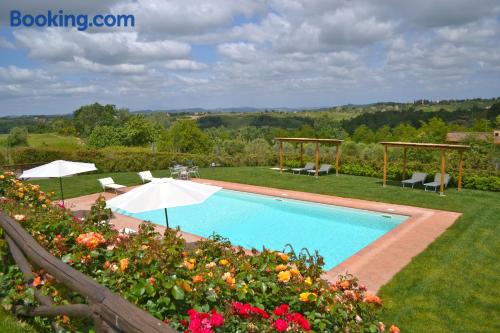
point(163, 193)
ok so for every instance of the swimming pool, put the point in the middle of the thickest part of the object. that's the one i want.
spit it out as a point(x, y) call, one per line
point(253, 221)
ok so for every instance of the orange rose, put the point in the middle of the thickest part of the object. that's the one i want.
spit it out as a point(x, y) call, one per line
point(280, 268)
point(394, 329)
point(369, 298)
point(345, 284)
point(283, 256)
point(197, 279)
point(37, 281)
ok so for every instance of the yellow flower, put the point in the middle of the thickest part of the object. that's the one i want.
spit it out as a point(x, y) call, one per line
point(189, 265)
point(185, 286)
point(284, 276)
point(2, 177)
point(224, 262)
point(295, 272)
point(306, 296)
point(308, 281)
point(280, 268)
point(123, 264)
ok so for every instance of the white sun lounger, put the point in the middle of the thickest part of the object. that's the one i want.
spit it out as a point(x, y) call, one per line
point(416, 177)
point(324, 168)
point(109, 184)
point(145, 176)
point(308, 166)
point(437, 181)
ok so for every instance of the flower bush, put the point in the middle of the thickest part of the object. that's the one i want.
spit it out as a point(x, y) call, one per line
point(212, 288)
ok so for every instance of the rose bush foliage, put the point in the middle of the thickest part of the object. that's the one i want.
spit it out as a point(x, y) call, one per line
point(213, 287)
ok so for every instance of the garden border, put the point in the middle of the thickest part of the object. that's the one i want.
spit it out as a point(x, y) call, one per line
point(109, 311)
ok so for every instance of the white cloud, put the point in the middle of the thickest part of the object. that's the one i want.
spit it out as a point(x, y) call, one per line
point(184, 64)
point(105, 48)
point(14, 74)
point(186, 17)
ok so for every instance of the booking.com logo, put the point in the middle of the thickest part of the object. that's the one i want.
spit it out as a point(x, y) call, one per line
point(59, 19)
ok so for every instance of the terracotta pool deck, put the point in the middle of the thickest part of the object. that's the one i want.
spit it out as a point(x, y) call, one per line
point(374, 265)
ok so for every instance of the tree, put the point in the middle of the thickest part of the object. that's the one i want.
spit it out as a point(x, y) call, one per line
point(64, 127)
point(105, 136)
point(434, 130)
point(481, 125)
point(404, 132)
point(186, 137)
point(139, 131)
point(363, 134)
point(87, 117)
point(18, 136)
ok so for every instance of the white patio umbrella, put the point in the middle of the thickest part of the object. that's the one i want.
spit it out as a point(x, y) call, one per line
point(58, 169)
point(162, 193)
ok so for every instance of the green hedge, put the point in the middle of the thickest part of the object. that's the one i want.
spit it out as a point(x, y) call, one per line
point(118, 159)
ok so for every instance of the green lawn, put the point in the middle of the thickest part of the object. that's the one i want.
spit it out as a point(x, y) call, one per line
point(49, 140)
point(9, 324)
point(453, 286)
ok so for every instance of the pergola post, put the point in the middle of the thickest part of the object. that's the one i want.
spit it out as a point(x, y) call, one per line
point(443, 169)
point(337, 159)
point(459, 185)
point(281, 156)
point(404, 162)
point(301, 154)
point(317, 158)
point(385, 166)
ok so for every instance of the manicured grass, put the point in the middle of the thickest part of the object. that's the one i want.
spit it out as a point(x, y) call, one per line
point(453, 286)
point(9, 324)
point(49, 140)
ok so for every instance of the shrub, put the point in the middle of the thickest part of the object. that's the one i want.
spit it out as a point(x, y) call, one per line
point(18, 136)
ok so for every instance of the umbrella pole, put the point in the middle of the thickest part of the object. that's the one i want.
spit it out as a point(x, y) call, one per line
point(166, 218)
point(62, 193)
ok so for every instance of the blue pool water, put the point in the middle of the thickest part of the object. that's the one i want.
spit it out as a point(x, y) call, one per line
point(252, 220)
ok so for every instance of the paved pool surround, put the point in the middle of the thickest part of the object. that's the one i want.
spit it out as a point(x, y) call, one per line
point(374, 265)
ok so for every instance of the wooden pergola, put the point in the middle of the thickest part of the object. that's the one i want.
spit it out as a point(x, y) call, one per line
point(435, 146)
point(336, 142)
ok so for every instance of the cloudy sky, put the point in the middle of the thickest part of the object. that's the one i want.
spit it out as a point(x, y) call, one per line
point(262, 53)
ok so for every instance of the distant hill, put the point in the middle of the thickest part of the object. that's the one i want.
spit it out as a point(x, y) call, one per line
point(243, 109)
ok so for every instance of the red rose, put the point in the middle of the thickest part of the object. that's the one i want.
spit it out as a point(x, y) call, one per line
point(281, 310)
point(280, 325)
point(217, 319)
